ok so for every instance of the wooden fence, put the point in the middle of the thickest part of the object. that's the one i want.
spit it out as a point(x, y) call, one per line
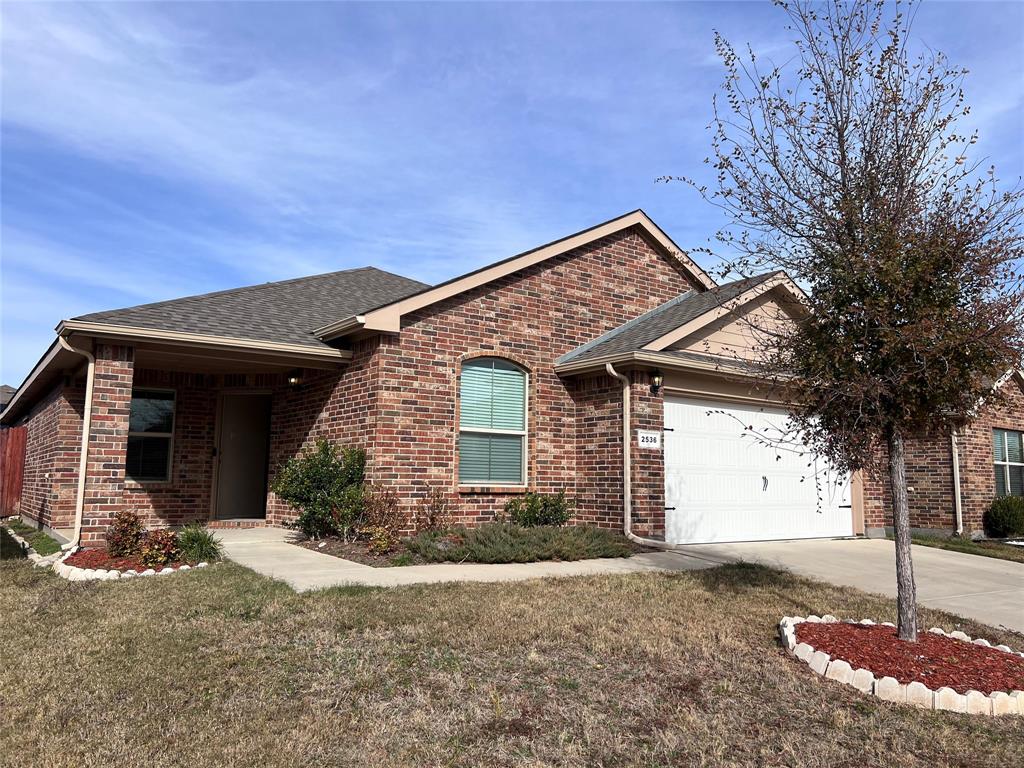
point(12, 469)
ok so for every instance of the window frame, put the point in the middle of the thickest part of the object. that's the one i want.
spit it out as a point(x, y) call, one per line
point(1005, 463)
point(169, 435)
point(524, 433)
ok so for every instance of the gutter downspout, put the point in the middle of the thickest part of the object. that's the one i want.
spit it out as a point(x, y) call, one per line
point(957, 496)
point(83, 460)
point(627, 467)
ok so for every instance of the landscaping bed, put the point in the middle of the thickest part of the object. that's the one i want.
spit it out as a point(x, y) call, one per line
point(487, 543)
point(937, 661)
point(101, 559)
point(42, 543)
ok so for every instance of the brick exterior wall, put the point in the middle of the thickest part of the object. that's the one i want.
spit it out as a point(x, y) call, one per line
point(52, 450)
point(108, 439)
point(532, 317)
point(930, 471)
point(186, 496)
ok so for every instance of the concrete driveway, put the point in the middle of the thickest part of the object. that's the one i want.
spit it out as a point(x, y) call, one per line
point(981, 588)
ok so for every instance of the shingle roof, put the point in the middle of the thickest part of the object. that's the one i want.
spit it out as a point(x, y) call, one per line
point(642, 330)
point(6, 393)
point(287, 311)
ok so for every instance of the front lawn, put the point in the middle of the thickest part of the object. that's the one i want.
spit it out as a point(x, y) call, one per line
point(224, 667)
point(985, 548)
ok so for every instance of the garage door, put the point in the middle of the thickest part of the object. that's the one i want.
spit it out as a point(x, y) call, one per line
point(722, 484)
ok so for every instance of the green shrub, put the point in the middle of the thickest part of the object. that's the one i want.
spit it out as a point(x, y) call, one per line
point(198, 545)
point(533, 509)
point(324, 486)
point(507, 543)
point(1005, 518)
point(125, 534)
point(159, 548)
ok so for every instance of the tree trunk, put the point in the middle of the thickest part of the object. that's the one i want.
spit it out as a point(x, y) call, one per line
point(906, 591)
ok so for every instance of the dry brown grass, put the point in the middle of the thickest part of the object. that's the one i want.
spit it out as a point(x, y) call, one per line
point(226, 668)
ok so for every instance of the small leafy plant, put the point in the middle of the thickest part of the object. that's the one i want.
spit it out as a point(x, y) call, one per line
point(534, 509)
point(434, 512)
point(159, 548)
point(324, 485)
point(1005, 518)
point(125, 535)
point(382, 519)
point(198, 545)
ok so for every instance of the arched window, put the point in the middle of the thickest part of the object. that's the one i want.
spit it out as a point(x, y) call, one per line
point(492, 423)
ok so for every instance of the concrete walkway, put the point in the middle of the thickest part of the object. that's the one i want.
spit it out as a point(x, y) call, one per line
point(267, 551)
point(981, 588)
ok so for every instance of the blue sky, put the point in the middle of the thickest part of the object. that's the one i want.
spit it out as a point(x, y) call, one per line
point(151, 151)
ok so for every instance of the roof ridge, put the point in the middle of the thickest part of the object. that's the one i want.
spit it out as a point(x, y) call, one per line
point(243, 288)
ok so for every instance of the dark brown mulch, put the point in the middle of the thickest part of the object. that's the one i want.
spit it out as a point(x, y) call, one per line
point(358, 552)
point(935, 660)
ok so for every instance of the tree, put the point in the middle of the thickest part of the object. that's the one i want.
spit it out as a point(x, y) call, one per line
point(846, 169)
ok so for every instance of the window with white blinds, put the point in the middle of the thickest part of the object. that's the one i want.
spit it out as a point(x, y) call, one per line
point(1008, 452)
point(492, 423)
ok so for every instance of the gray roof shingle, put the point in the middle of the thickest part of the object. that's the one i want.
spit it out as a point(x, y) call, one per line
point(642, 330)
point(287, 311)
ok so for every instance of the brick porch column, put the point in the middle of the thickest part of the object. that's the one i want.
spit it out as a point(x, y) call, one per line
point(108, 440)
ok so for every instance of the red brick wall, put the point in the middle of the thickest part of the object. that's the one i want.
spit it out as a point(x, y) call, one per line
point(977, 474)
point(186, 496)
point(108, 438)
point(598, 438)
point(648, 466)
point(532, 317)
point(930, 471)
point(52, 449)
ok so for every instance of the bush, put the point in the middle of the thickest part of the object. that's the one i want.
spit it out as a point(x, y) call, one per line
point(535, 509)
point(324, 485)
point(1005, 518)
point(506, 543)
point(159, 548)
point(382, 520)
point(125, 535)
point(434, 512)
point(198, 545)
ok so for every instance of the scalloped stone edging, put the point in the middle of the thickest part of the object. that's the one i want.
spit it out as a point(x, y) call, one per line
point(914, 694)
point(74, 573)
point(34, 557)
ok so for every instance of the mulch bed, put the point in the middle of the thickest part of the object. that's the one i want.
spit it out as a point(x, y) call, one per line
point(357, 552)
point(100, 558)
point(934, 660)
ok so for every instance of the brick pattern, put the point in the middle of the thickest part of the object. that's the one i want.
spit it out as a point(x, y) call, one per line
point(52, 449)
point(108, 438)
point(532, 317)
point(186, 496)
point(648, 466)
point(930, 471)
point(598, 439)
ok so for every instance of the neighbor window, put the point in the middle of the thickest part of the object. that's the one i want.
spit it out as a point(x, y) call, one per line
point(492, 423)
point(1008, 451)
point(150, 434)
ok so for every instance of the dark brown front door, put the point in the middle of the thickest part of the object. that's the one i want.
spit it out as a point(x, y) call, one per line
point(243, 445)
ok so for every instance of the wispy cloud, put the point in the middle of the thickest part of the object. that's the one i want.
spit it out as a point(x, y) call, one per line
point(156, 150)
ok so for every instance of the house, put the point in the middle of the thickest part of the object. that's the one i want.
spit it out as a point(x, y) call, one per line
point(523, 375)
point(6, 393)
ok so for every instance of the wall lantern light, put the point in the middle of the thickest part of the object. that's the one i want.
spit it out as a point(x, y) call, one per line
point(657, 380)
point(295, 377)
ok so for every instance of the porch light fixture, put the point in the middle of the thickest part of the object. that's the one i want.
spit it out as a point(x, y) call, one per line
point(295, 377)
point(657, 380)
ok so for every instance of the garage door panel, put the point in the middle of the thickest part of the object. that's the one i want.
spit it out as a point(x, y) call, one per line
point(722, 483)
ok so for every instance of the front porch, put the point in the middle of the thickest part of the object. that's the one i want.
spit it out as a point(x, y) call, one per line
point(182, 435)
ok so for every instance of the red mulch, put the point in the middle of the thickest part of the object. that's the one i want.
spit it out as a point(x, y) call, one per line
point(100, 558)
point(934, 660)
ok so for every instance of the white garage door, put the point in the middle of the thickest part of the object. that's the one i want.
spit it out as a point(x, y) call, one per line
point(722, 484)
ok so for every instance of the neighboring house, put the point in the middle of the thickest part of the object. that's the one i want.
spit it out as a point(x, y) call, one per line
point(503, 380)
point(6, 393)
